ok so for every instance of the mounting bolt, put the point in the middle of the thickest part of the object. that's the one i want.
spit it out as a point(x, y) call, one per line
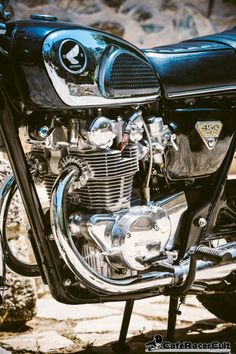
point(51, 238)
point(43, 132)
point(201, 222)
point(156, 227)
point(128, 234)
point(67, 282)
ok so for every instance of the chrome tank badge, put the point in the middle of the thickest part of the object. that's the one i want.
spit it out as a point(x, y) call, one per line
point(72, 56)
point(209, 132)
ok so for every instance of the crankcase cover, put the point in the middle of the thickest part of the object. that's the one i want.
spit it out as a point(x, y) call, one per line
point(139, 235)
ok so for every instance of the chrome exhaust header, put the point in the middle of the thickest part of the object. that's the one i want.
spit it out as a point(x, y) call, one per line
point(151, 281)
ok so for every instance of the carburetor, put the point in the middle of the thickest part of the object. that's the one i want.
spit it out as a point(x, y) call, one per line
point(161, 137)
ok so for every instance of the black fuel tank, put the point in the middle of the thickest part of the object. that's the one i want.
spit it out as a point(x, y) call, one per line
point(61, 65)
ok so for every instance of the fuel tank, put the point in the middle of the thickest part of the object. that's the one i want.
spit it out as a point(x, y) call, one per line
point(60, 65)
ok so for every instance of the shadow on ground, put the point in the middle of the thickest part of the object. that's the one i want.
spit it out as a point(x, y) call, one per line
point(200, 332)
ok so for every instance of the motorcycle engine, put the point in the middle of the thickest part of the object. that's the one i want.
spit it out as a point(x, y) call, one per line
point(115, 229)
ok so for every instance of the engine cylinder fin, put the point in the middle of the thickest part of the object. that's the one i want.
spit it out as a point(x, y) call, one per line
point(48, 182)
point(110, 187)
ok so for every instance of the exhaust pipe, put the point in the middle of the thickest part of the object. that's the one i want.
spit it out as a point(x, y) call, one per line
point(205, 270)
point(149, 281)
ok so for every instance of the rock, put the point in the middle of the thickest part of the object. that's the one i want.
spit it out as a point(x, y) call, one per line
point(151, 28)
point(33, 3)
point(111, 27)
point(189, 22)
point(114, 3)
point(224, 8)
point(38, 342)
point(22, 11)
point(141, 10)
point(142, 13)
point(159, 311)
point(145, 23)
point(222, 23)
point(81, 7)
point(4, 351)
point(15, 215)
point(97, 339)
point(50, 308)
point(19, 302)
point(112, 324)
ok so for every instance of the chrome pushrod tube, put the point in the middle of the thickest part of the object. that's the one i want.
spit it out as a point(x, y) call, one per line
point(151, 281)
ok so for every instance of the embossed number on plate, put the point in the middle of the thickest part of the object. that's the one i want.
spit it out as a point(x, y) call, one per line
point(209, 132)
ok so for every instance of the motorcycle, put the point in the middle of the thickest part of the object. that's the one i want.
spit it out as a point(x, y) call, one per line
point(136, 151)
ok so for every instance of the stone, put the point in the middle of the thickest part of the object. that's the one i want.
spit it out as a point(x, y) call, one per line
point(189, 22)
point(221, 23)
point(33, 3)
point(151, 28)
point(141, 10)
point(50, 308)
point(142, 13)
point(97, 339)
point(19, 302)
point(113, 3)
point(42, 342)
point(81, 7)
point(145, 23)
point(111, 27)
point(138, 324)
point(4, 351)
point(15, 215)
point(156, 308)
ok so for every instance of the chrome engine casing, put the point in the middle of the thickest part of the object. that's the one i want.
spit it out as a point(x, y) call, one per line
point(129, 239)
point(115, 236)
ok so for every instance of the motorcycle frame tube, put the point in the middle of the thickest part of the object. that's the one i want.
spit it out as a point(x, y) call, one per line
point(38, 223)
point(7, 191)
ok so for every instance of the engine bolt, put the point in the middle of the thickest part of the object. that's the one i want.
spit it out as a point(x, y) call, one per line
point(51, 238)
point(202, 222)
point(43, 132)
point(128, 234)
point(67, 282)
point(174, 255)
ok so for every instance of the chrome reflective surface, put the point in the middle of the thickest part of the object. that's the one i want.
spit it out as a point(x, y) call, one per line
point(209, 90)
point(14, 262)
point(82, 90)
point(101, 284)
point(127, 237)
point(139, 234)
point(5, 189)
point(175, 205)
point(209, 271)
point(101, 132)
point(75, 261)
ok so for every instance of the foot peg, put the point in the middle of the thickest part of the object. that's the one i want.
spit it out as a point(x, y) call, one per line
point(211, 254)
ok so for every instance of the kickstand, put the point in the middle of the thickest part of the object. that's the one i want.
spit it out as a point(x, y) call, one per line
point(172, 315)
point(121, 346)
